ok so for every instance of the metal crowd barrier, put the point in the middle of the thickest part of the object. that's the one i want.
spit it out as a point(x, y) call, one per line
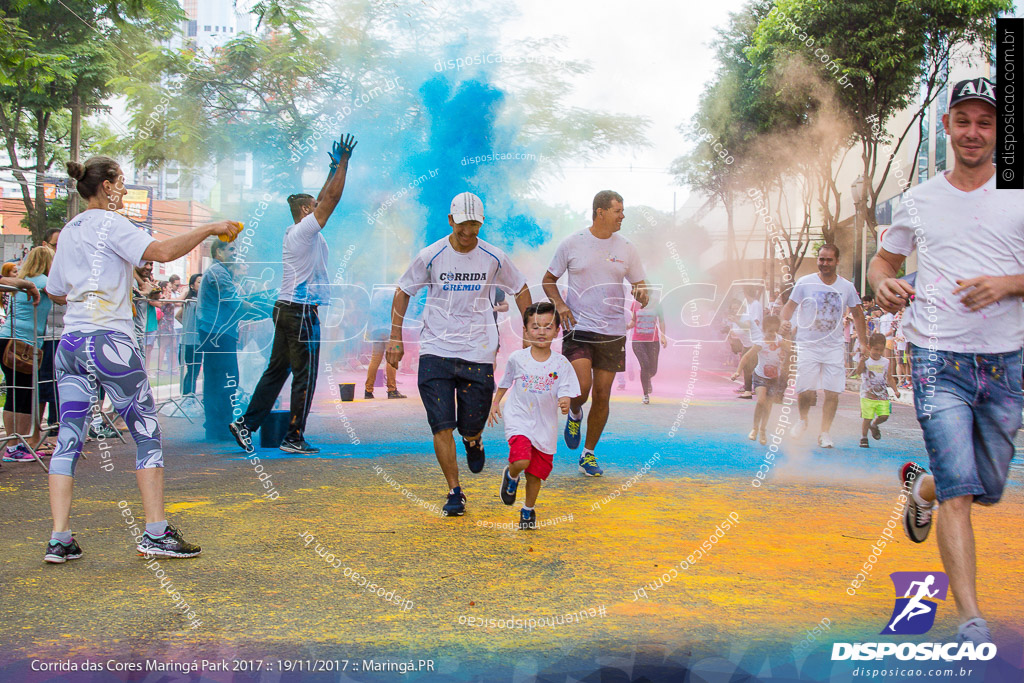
point(160, 350)
point(6, 438)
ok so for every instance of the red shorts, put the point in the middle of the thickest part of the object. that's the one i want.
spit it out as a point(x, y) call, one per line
point(521, 448)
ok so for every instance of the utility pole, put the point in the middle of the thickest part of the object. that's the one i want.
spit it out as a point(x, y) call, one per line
point(76, 134)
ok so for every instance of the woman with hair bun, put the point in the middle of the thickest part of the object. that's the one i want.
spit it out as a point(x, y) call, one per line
point(92, 274)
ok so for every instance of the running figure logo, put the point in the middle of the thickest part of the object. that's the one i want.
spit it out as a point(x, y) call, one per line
point(914, 613)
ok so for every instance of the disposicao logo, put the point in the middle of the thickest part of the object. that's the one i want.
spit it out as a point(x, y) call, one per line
point(917, 596)
point(914, 612)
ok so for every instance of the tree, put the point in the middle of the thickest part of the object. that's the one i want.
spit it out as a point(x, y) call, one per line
point(58, 53)
point(273, 94)
point(882, 55)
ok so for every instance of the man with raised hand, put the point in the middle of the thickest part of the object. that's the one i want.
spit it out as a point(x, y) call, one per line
point(820, 301)
point(597, 261)
point(305, 286)
point(457, 342)
point(965, 329)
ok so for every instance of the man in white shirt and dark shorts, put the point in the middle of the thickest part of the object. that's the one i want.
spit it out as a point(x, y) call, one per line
point(305, 286)
point(597, 261)
point(820, 301)
point(458, 340)
point(965, 327)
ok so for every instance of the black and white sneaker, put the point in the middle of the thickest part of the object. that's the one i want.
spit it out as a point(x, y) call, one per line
point(475, 455)
point(509, 487)
point(917, 519)
point(876, 433)
point(456, 504)
point(864, 442)
point(242, 434)
point(527, 520)
point(58, 553)
point(170, 544)
point(300, 447)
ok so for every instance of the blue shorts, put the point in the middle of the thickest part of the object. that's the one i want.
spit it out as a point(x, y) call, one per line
point(969, 407)
point(456, 393)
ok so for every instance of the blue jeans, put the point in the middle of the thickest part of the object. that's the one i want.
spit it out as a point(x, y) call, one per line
point(969, 407)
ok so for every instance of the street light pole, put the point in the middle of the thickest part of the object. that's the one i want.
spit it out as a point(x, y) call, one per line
point(857, 189)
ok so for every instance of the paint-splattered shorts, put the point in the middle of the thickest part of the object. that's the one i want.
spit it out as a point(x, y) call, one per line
point(112, 360)
point(969, 407)
point(456, 393)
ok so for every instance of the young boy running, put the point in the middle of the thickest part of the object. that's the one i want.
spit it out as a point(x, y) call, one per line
point(540, 380)
point(875, 377)
point(769, 354)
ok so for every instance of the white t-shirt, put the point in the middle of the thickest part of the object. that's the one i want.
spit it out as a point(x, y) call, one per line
point(958, 236)
point(93, 269)
point(304, 279)
point(533, 392)
point(875, 380)
point(755, 315)
point(458, 317)
point(885, 322)
point(820, 309)
point(596, 270)
point(769, 358)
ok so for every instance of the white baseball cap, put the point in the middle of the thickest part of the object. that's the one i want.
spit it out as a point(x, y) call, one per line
point(467, 207)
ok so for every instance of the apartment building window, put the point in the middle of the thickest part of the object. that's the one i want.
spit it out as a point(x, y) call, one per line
point(206, 29)
point(191, 29)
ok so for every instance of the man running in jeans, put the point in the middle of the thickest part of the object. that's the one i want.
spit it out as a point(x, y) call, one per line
point(965, 328)
point(594, 338)
point(304, 287)
point(820, 300)
point(458, 340)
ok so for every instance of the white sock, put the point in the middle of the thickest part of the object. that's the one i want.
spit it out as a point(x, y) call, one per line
point(587, 450)
point(915, 491)
point(527, 509)
point(576, 415)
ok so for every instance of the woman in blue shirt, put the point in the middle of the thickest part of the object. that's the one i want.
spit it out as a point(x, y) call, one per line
point(27, 323)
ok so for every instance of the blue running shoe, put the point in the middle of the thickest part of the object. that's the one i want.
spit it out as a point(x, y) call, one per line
point(509, 486)
point(456, 505)
point(572, 431)
point(588, 465)
point(528, 519)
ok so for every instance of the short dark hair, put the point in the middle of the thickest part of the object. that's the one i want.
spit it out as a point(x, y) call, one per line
point(296, 202)
point(752, 291)
point(876, 338)
point(603, 200)
point(217, 246)
point(50, 233)
point(833, 247)
point(772, 319)
point(541, 308)
point(176, 277)
point(92, 174)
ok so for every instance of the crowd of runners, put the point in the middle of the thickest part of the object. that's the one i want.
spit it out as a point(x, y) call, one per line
point(962, 320)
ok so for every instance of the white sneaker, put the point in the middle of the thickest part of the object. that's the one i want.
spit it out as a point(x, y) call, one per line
point(752, 435)
point(797, 430)
point(975, 630)
point(825, 441)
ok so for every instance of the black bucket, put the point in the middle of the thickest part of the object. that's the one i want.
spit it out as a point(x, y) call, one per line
point(274, 428)
point(347, 392)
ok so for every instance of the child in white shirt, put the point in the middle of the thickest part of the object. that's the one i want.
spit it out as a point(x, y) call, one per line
point(540, 383)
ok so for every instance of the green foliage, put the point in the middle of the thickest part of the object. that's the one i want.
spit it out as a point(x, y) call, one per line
point(266, 94)
point(54, 51)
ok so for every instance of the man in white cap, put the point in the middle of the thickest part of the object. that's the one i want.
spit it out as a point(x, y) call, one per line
point(458, 340)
